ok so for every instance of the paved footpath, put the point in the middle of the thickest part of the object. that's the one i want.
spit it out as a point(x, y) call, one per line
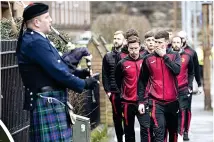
point(201, 129)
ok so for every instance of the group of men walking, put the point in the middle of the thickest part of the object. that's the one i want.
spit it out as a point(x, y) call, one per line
point(153, 83)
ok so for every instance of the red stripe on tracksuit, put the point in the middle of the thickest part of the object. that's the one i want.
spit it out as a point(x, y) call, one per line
point(153, 114)
point(149, 137)
point(125, 113)
point(113, 103)
point(175, 137)
point(182, 122)
point(189, 119)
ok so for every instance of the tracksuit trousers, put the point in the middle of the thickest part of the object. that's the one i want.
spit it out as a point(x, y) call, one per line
point(117, 115)
point(164, 120)
point(184, 118)
point(130, 110)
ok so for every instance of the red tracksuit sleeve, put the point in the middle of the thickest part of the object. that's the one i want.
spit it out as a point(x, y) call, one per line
point(190, 73)
point(175, 65)
point(142, 82)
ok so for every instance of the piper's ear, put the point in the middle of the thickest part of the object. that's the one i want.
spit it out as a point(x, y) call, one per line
point(36, 22)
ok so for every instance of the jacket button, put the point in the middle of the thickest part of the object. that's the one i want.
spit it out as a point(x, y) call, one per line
point(31, 93)
point(28, 89)
point(31, 105)
point(23, 86)
point(58, 61)
point(31, 99)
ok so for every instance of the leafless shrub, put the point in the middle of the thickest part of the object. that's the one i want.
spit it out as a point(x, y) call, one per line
point(78, 101)
point(107, 24)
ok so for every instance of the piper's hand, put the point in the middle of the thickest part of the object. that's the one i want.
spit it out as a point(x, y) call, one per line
point(86, 72)
point(70, 46)
point(141, 108)
point(91, 82)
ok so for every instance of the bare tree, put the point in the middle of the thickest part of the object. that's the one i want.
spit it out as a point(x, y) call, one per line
point(107, 24)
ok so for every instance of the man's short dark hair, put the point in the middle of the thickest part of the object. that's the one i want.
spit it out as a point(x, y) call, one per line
point(149, 34)
point(162, 34)
point(133, 39)
point(131, 32)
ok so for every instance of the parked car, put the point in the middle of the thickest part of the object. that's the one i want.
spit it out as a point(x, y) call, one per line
point(84, 38)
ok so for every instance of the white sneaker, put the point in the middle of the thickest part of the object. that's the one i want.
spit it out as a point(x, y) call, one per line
point(180, 138)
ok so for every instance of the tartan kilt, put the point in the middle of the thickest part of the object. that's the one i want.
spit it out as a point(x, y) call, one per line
point(49, 121)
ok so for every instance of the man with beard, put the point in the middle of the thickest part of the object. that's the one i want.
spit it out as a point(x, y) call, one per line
point(127, 74)
point(158, 74)
point(109, 83)
point(194, 56)
point(185, 79)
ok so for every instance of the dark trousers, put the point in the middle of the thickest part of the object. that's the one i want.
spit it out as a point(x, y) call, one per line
point(201, 73)
point(185, 114)
point(117, 116)
point(130, 110)
point(164, 120)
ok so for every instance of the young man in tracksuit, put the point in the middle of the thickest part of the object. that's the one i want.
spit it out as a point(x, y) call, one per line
point(126, 74)
point(158, 85)
point(149, 41)
point(194, 56)
point(124, 51)
point(109, 83)
point(185, 79)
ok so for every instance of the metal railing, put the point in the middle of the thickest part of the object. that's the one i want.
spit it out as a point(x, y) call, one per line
point(12, 114)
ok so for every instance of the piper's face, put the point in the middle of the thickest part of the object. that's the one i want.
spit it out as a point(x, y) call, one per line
point(44, 22)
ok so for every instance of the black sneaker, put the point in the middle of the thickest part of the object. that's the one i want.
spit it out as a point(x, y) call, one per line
point(186, 138)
